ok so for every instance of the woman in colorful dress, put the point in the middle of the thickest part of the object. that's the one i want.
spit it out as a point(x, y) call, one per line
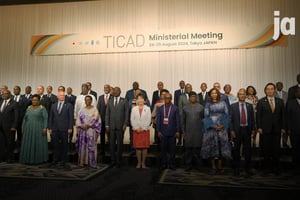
point(34, 146)
point(140, 119)
point(88, 126)
point(216, 145)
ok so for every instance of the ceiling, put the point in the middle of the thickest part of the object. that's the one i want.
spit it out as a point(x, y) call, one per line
point(20, 2)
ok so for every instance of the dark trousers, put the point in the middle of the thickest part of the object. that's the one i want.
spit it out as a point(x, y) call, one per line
point(131, 138)
point(190, 153)
point(60, 146)
point(7, 143)
point(19, 134)
point(116, 139)
point(295, 141)
point(102, 139)
point(242, 138)
point(271, 146)
point(168, 146)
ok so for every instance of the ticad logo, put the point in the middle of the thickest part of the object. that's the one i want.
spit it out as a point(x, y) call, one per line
point(286, 26)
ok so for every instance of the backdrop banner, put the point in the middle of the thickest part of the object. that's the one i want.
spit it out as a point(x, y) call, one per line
point(170, 40)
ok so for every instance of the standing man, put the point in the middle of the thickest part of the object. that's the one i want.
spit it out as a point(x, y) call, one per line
point(52, 97)
point(44, 100)
point(203, 95)
point(131, 94)
point(156, 94)
point(281, 94)
point(102, 105)
point(8, 124)
point(168, 127)
point(22, 106)
point(179, 92)
point(242, 129)
point(70, 98)
point(116, 121)
point(271, 124)
point(27, 95)
point(193, 114)
point(90, 91)
point(292, 90)
point(293, 127)
point(60, 125)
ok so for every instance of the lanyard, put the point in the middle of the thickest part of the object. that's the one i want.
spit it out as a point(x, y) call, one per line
point(168, 112)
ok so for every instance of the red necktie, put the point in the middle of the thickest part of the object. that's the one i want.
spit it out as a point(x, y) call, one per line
point(243, 119)
point(106, 98)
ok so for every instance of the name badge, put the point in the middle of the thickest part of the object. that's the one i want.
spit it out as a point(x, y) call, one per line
point(166, 121)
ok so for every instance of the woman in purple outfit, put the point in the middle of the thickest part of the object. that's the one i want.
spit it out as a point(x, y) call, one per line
point(88, 126)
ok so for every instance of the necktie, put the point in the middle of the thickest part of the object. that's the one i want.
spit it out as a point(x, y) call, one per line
point(59, 107)
point(182, 91)
point(106, 99)
point(203, 95)
point(116, 101)
point(15, 98)
point(243, 118)
point(272, 105)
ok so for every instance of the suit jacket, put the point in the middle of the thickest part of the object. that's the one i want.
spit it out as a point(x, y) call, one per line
point(292, 92)
point(173, 125)
point(22, 105)
point(140, 121)
point(102, 107)
point(28, 100)
point(293, 115)
point(184, 100)
point(71, 99)
point(130, 95)
point(236, 119)
point(45, 101)
point(9, 116)
point(177, 94)
point(93, 93)
point(61, 121)
point(268, 121)
point(284, 96)
point(117, 117)
point(201, 101)
point(155, 98)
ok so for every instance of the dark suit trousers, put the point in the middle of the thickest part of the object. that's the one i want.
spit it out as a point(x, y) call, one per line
point(19, 133)
point(271, 146)
point(116, 139)
point(295, 140)
point(102, 139)
point(7, 144)
point(243, 138)
point(168, 146)
point(60, 146)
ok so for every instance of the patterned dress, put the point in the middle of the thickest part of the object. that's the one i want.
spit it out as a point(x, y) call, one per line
point(86, 143)
point(216, 143)
point(34, 146)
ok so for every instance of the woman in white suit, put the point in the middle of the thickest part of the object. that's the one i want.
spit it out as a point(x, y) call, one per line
point(140, 121)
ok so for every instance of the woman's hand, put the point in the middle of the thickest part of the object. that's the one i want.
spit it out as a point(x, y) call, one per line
point(44, 131)
point(219, 127)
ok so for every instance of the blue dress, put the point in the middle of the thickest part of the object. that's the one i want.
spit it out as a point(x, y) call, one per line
point(216, 143)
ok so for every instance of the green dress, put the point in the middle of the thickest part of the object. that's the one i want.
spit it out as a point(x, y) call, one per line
point(34, 146)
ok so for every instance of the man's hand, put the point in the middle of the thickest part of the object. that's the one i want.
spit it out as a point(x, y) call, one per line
point(260, 131)
point(50, 131)
point(232, 134)
point(69, 131)
point(13, 129)
point(177, 134)
point(160, 135)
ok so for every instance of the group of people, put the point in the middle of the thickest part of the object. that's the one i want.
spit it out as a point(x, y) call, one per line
point(211, 125)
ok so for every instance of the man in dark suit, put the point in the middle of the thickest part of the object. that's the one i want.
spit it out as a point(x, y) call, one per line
point(203, 95)
point(116, 121)
point(70, 98)
point(131, 94)
point(242, 129)
point(292, 90)
point(8, 124)
point(156, 94)
point(179, 92)
point(101, 106)
point(293, 127)
point(2, 89)
point(168, 127)
point(22, 103)
point(45, 101)
point(90, 91)
point(27, 95)
point(61, 122)
point(271, 124)
point(50, 95)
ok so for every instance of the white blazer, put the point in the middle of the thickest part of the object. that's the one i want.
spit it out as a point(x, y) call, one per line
point(142, 121)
